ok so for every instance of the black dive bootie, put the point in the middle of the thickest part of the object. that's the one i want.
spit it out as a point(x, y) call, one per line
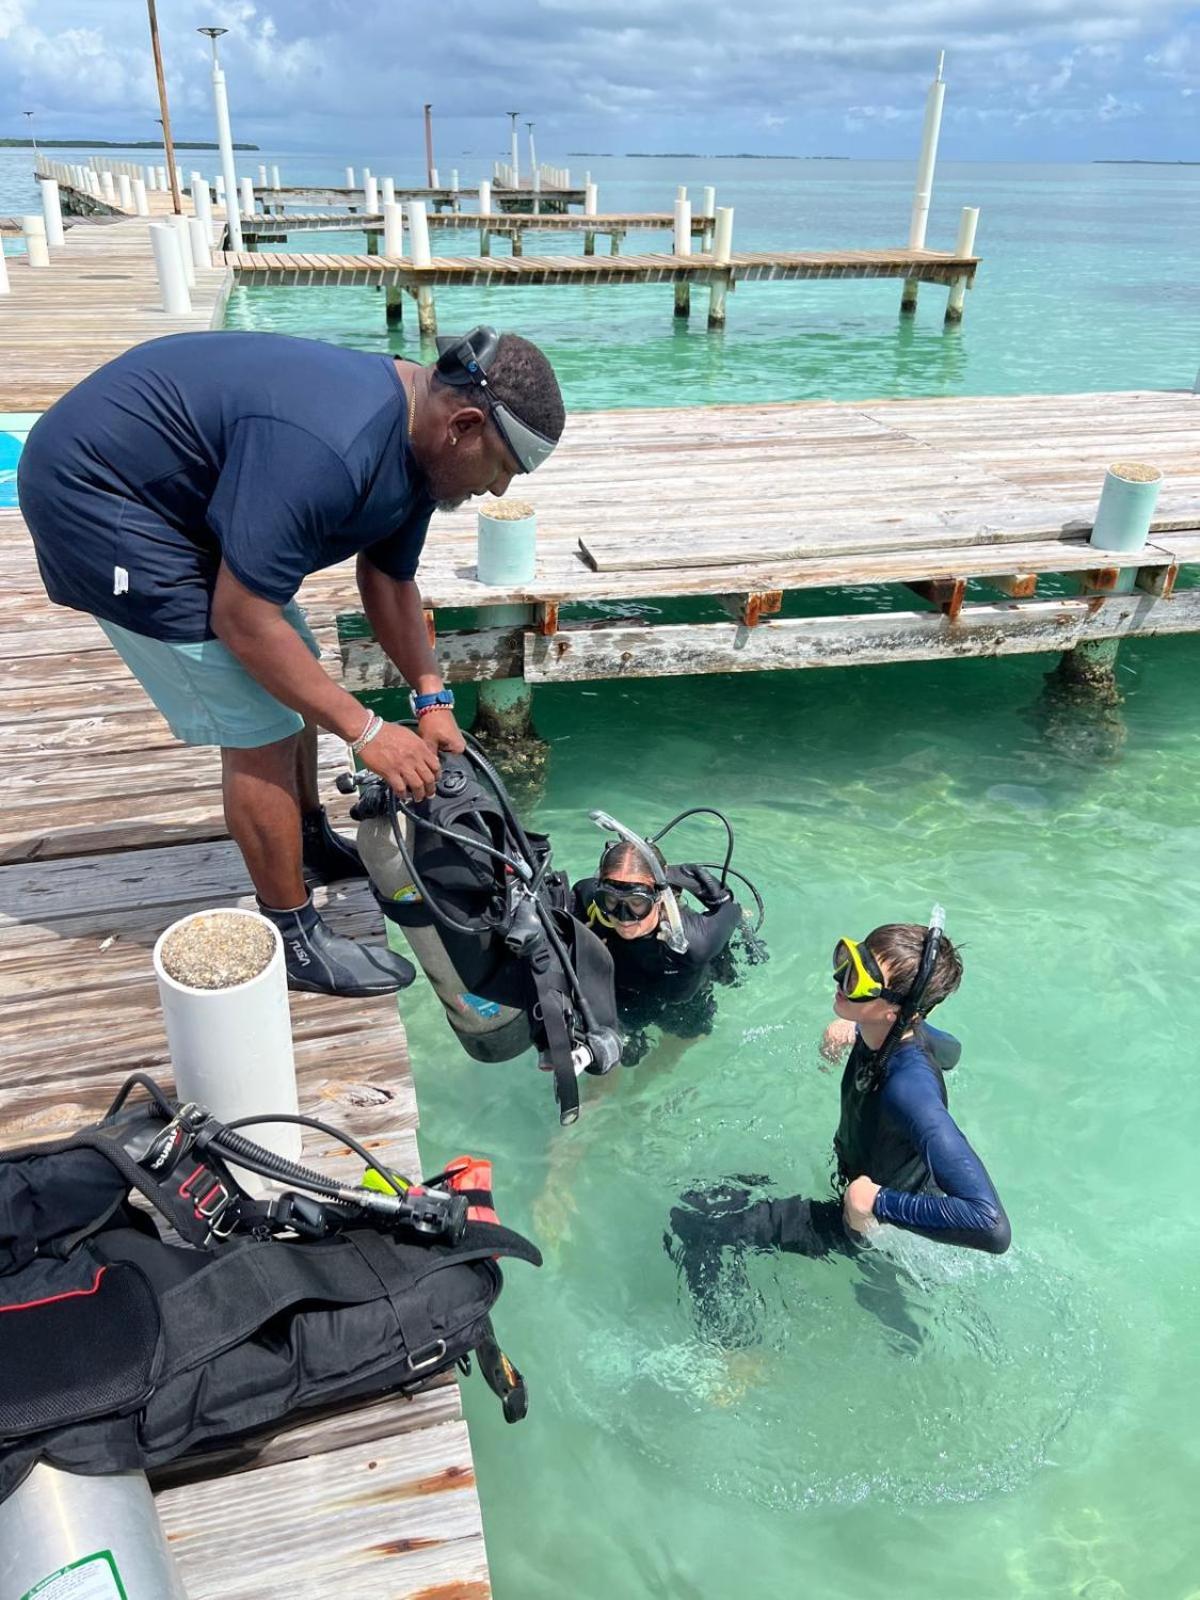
point(328, 858)
point(322, 962)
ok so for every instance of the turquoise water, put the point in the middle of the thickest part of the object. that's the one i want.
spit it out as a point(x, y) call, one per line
point(1022, 1427)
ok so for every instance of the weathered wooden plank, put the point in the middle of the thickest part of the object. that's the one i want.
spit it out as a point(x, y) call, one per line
point(867, 640)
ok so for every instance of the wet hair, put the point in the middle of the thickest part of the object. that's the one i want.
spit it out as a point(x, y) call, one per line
point(899, 944)
point(523, 378)
point(622, 857)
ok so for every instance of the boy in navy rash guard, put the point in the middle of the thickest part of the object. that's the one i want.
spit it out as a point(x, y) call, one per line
point(901, 1158)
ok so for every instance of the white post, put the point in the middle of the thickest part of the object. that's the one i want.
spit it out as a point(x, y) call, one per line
point(533, 165)
point(350, 182)
point(681, 192)
point(537, 189)
point(387, 192)
point(262, 175)
point(162, 178)
point(722, 251)
point(51, 212)
point(247, 201)
point(275, 183)
point(515, 162)
point(589, 200)
point(109, 188)
point(201, 242)
point(683, 228)
point(168, 261)
point(418, 233)
point(151, 177)
point(454, 179)
point(566, 177)
point(485, 198)
point(964, 245)
point(141, 203)
point(4, 283)
point(125, 192)
point(366, 174)
point(370, 193)
point(34, 229)
point(923, 191)
point(184, 240)
point(228, 168)
point(709, 206)
point(202, 205)
point(723, 243)
point(434, 181)
point(219, 188)
point(179, 177)
point(393, 229)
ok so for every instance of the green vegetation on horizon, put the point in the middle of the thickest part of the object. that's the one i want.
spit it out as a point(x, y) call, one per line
point(113, 144)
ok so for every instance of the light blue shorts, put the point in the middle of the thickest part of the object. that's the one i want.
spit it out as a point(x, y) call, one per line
point(205, 692)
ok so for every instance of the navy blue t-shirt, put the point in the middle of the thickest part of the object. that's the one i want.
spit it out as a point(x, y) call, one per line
point(280, 456)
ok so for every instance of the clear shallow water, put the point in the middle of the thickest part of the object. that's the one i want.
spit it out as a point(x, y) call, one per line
point(951, 1425)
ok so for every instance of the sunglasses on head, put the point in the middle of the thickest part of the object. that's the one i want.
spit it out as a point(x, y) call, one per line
point(627, 902)
point(858, 975)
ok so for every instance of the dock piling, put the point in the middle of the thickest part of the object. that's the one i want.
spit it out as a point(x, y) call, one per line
point(387, 192)
point(201, 243)
point(722, 250)
point(202, 205)
point(275, 184)
point(247, 201)
point(52, 212)
point(923, 191)
point(168, 263)
point(370, 192)
point(125, 191)
point(683, 247)
point(964, 246)
point(179, 225)
point(36, 250)
point(228, 180)
point(351, 182)
point(418, 232)
point(141, 203)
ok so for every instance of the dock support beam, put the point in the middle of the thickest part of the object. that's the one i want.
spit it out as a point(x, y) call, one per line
point(964, 245)
point(426, 314)
point(504, 713)
point(589, 244)
point(683, 247)
point(683, 299)
point(394, 299)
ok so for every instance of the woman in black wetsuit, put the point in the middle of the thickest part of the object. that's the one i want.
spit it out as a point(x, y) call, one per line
point(665, 953)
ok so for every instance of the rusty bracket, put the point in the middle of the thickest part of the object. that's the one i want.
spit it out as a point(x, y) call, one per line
point(749, 609)
point(545, 616)
point(1159, 581)
point(1016, 585)
point(1100, 580)
point(947, 594)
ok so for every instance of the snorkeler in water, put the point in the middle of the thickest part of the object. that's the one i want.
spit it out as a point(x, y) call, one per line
point(666, 955)
point(900, 1157)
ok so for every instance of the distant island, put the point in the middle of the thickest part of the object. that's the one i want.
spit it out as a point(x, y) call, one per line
point(112, 144)
point(735, 155)
point(1136, 161)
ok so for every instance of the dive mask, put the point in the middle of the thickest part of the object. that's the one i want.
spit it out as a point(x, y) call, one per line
point(464, 362)
point(857, 973)
point(626, 902)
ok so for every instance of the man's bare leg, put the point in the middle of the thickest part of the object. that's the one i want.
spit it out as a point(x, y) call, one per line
point(262, 812)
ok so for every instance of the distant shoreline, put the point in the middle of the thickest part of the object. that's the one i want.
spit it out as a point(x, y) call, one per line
point(111, 144)
point(1140, 161)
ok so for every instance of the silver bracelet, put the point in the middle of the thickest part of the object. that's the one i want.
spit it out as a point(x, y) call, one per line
point(374, 724)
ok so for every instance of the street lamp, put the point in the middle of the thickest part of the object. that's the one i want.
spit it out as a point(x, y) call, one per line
point(429, 145)
point(32, 135)
point(233, 222)
point(516, 153)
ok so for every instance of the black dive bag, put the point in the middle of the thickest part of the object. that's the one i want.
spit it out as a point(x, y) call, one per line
point(120, 1350)
point(490, 922)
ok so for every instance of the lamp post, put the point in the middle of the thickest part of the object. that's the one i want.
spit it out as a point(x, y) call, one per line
point(32, 135)
point(168, 144)
point(233, 222)
point(429, 146)
point(516, 152)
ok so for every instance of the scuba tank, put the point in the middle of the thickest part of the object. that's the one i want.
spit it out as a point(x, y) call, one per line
point(489, 922)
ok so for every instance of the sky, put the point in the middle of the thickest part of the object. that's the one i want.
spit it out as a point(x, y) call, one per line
point(1028, 80)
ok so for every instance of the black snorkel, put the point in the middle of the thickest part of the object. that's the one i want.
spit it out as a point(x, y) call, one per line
point(870, 1072)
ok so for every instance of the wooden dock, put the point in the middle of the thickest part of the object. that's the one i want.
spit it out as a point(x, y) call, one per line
point(109, 831)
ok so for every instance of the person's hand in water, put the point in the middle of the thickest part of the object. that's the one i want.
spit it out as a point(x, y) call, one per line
point(838, 1037)
point(856, 1206)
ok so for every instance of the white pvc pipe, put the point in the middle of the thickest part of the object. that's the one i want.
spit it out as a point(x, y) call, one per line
point(5, 286)
point(51, 212)
point(350, 183)
point(515, 163)
point(202, 205)
point(233, 222)
point(723, 235)
point(37, 253)
point(454, 179)
point(681, 192)
point(435, 181)
point(247, 198)
point(168, 262)
point(485, 198)
point(108, 188)
point(683, 227)
point(275, 183)
point(201, 243)
point(709, 205)
point(589, 200)
point(387, 192)
point(219, 187)
point(231, 1049)
point(179, 183)
point(162, 178)
point(180, 226)
point(393, 229)
point(366, 174)
point(370, 194)
point(125, 192)
point(418, 233)
point(151, 178)
point(964, 245)
point(923, 192)
point(141, 202)
point(262, 175)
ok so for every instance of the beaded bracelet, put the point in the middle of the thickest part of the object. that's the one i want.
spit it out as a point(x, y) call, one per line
point(425, 711)
point(374, 724)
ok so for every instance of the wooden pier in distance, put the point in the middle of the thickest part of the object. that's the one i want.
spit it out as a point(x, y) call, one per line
point(510, 226)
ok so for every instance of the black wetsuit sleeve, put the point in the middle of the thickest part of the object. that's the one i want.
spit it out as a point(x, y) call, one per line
point(968, 1210)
